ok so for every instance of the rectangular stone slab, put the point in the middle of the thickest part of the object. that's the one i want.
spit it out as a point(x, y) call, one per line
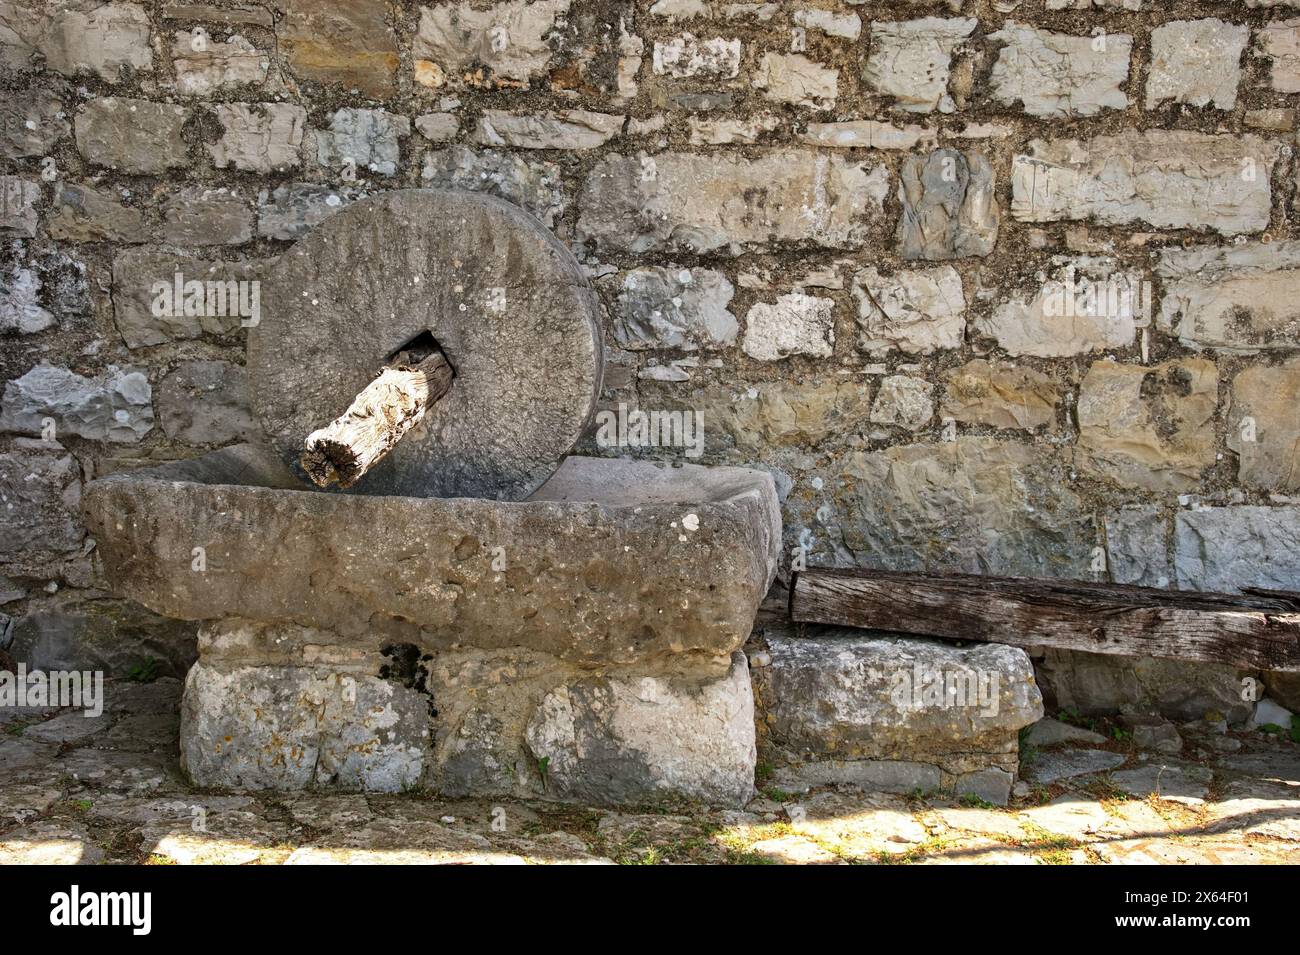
point(610, 562)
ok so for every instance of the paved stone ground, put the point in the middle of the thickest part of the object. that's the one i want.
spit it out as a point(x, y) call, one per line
point(109, 790)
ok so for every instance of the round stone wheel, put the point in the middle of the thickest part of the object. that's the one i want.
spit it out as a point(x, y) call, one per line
point(504, 300)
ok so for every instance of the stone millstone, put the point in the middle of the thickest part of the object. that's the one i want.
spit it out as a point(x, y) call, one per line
point(503, 299)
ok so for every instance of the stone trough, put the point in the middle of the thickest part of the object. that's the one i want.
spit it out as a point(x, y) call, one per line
point(478, 615)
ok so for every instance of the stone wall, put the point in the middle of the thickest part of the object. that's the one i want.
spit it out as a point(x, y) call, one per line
point(990, 286)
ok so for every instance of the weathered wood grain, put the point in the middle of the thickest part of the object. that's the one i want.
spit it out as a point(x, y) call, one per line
point(1259, 630)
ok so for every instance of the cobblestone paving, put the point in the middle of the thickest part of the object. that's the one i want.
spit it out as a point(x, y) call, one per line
point(109, 790)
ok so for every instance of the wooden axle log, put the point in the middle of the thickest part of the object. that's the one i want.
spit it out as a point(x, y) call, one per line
point(1257, 630)
point(380, 415)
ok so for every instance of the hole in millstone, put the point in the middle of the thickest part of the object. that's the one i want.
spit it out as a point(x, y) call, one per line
point(416, 350)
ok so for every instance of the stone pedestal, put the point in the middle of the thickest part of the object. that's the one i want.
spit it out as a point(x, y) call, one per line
point(895, 714)
point(579, 645)
point(273, 706)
